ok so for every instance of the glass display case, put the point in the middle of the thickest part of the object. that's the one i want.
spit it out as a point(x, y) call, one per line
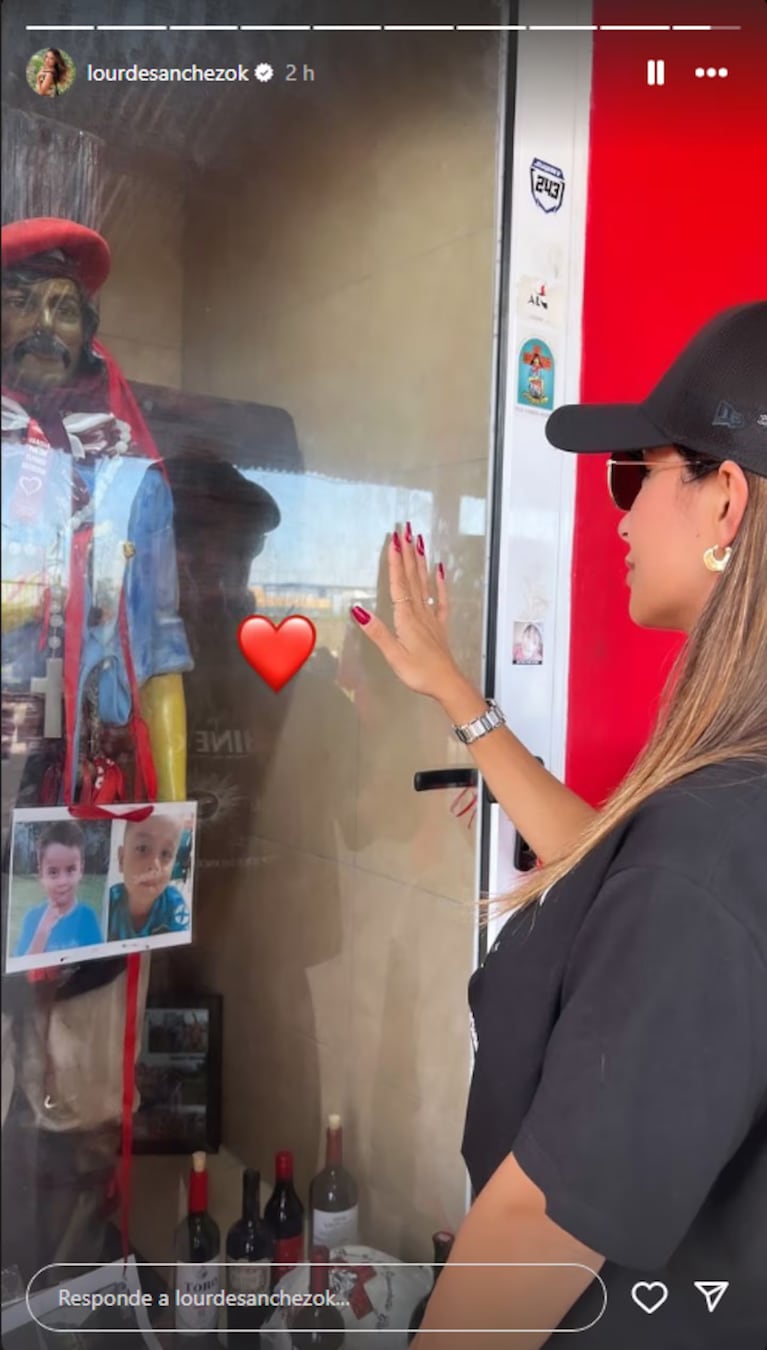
point(247, 332)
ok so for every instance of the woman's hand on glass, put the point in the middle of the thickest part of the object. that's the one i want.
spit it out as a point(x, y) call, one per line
point(417, 651)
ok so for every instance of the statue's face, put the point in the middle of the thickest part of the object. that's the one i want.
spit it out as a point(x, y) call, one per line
point(43, 333)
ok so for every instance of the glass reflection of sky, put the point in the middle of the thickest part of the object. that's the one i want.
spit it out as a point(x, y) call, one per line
point(332, 530)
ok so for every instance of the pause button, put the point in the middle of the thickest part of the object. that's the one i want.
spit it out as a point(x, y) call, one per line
point(656, 72)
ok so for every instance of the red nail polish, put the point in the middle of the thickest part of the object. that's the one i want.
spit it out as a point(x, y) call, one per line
point(441, 571)
point(360, 614)
point(396, 542)
point(420, 546)
point(408, 532)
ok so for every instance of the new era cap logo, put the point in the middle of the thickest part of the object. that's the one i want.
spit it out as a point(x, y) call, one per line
point(727, 416)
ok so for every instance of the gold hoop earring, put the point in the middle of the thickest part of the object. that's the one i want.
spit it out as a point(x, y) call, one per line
point(713, 563)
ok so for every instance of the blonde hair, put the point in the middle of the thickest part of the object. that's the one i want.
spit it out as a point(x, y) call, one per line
point(714, 704)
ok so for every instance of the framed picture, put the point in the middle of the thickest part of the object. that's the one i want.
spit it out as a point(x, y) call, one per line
point(178, 1075)
point(84, 889)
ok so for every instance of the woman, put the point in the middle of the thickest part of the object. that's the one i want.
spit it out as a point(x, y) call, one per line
point(616, 1131)
point(52, 73)
point(528, 651)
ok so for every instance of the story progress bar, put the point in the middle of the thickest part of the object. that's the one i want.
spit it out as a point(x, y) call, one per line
point(380, 28)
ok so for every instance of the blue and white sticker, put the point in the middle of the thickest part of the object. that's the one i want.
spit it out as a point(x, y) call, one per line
point(547, 184)
point(535, 387)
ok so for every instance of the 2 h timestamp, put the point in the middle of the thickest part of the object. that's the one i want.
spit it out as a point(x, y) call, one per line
point(299, 74)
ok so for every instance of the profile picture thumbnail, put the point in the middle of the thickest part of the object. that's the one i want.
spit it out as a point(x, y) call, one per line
point(51, 72)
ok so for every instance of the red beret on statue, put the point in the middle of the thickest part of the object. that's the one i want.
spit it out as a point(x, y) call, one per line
point(55, 247)
point(78, 252)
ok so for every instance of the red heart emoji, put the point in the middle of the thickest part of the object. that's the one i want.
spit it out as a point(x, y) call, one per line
point(274, 651)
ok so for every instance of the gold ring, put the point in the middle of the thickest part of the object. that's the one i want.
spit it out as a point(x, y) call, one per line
point(406, 600)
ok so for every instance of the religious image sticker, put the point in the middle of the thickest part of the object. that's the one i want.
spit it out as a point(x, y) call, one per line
point(535, 388)
point(547, 184)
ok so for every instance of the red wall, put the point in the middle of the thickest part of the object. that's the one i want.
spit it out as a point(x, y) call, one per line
point(674, 234)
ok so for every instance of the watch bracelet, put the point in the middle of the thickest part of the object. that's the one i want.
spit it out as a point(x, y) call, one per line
point(477, 728)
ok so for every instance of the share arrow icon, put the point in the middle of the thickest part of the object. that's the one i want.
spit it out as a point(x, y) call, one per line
point(713, 1291)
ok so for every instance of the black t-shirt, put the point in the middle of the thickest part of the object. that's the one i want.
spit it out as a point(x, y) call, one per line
point(621, 1054)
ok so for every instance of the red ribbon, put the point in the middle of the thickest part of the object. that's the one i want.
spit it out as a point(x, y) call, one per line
point(93, 811)
point(74, 621)
point(46, 619)
point(74, 615)
point(145, 785)
point(129, 1083)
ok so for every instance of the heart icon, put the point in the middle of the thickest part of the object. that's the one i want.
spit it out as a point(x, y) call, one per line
point(275, 651)
point(649, 1296)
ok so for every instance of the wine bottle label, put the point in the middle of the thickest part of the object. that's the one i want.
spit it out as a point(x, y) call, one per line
point(287, 1254)
point(336, 1229)
point(249, 1277)
point(196, 1285)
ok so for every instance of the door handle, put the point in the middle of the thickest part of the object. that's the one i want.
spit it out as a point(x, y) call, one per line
point(429, 780)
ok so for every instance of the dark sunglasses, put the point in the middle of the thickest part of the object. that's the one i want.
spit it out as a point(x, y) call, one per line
point(626, 476)
point(624, 481)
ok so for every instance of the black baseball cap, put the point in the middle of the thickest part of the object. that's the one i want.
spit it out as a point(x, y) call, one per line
point(712, 400)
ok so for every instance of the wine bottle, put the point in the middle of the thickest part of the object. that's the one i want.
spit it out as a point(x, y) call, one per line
point(443, 1242)
point(284, 1216)
point(334, 1213)
point(319, 1326)
point(249, 1252)
point(197, 1248)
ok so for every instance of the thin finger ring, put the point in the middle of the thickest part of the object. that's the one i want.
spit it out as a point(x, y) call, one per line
point(406, 600)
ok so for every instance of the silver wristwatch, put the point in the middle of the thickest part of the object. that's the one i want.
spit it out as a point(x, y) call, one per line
point(472, 731)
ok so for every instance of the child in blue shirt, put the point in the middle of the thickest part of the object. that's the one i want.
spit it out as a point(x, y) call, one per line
point(62, 920)
point(144, 903)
